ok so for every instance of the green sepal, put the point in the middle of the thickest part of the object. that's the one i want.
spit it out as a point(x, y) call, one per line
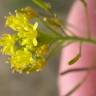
point(42, 4)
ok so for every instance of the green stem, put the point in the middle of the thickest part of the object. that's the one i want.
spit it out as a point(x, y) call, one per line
point(87, 16)
point(78, 39)
point(49, 27)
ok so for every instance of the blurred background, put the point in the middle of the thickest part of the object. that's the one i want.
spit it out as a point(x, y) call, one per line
point(43, 83)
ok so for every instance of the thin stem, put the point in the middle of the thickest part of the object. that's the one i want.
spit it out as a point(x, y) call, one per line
point(49, 27)
point(80, 51)
point(88, 24)
point(78, 39)
point(65, 28)
point(55, 46)
point(87, 17)
point(62, 29)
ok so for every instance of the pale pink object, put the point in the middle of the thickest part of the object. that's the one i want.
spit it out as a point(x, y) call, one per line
point(77, 18)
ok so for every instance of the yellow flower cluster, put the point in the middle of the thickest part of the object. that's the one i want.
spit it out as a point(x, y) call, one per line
point(26, 52)
point(21, 24)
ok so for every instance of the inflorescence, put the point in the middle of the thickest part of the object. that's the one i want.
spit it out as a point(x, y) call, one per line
point(26, 50)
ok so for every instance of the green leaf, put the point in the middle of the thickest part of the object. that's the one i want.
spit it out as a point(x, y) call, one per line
point(42, 4)
point(75, 59)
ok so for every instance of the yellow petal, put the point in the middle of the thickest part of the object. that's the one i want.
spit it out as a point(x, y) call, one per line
point(35, 26)
point(34, 42)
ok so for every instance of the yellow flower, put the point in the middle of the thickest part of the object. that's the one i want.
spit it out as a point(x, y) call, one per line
point(25, 29)
point(21, 60)
point(17, 22)
point(29, 36)
point(8, 44)
point(24, 62)
point(29, 12)
point(42, 50)
point(39, 64)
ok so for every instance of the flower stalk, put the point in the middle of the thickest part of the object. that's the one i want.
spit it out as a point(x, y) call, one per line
point(29, 46)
